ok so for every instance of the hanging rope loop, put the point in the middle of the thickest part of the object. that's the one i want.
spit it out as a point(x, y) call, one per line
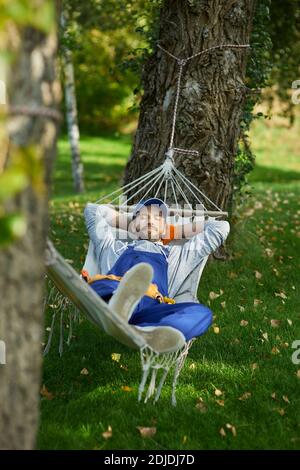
point(182, 62)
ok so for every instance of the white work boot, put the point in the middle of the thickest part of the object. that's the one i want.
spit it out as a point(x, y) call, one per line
point(131, 289)
point(161, 339)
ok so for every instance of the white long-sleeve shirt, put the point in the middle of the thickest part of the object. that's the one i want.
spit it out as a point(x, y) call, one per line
point(183, 258)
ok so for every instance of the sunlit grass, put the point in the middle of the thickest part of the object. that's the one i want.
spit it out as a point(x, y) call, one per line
point(242, 376)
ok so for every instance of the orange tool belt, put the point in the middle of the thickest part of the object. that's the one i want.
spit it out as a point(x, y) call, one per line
point(152, 290)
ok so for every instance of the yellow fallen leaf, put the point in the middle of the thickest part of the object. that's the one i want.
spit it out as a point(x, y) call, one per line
point(108, 433)
point(275, 323)
point(116, 357)
point(281, 295)
point(242, 309)
point(281, 411)
point(298, 373)
point(265, 336)
point(258, 275)
point(146, 431)
point(125, 388)
point(231, 428)
point(285, 398)
point(213, 295)
point(184, 439)
point(245, 396)
point(254, 366)
point(216, 330)
point(222, 432)
point(45, 393)
point(275, 350)
point(218, 392)
point(273, 395)
point(220, 402)
point(84, 371)
point(223, 304)
point(244, 322)
point(256, 302)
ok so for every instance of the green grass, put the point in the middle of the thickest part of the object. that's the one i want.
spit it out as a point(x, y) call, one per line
point(254, 359)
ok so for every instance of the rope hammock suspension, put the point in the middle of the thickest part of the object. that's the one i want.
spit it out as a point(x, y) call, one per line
point(166, 176)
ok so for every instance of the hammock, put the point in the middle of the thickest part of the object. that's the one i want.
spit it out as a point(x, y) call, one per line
point(161, 348)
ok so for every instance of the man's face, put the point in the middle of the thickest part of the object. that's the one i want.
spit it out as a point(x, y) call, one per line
point(150, 223)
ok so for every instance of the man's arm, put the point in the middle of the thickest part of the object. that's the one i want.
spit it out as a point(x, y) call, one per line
point(206, 242)
point(99, 221)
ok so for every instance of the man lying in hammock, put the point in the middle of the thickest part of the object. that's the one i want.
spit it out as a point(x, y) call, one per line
point(170, 261)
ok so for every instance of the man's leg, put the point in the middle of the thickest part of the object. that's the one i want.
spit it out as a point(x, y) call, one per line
point(191, 318)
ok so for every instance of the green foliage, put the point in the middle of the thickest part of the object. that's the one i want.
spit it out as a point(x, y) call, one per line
point(40, 15)
point(25, 165)
point(284, 30)
point(258, 72)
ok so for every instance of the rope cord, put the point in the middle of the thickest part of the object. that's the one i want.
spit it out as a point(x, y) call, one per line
point(182, 62)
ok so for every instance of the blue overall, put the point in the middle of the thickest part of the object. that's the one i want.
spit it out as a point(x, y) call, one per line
point(191, 318)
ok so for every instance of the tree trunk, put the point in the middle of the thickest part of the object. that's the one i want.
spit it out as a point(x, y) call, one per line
point(211, 99)
point(71, 112)
point(32, 138)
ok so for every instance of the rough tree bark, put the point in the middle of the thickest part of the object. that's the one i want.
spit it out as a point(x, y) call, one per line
point(71, 111)
point(212, 93)
point(32, 83)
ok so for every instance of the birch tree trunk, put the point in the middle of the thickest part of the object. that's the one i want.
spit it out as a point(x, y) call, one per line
point(71, 112)
point(212, 94)
point(33, 93)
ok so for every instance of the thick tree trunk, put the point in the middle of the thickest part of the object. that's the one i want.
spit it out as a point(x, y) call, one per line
point(211, 99)
point(71, 112)
point(32, 137)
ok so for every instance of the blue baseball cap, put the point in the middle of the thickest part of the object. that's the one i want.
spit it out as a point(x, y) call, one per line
point(150, 202)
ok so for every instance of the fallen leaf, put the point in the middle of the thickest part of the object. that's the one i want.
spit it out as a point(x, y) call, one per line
point(146, 432)
point(192, 366)
point(275, 350)
point(285, 398)
point(220, 402)
point(275, 323)
point(245, 396)
point(125, 388)
point(84, 371)
point(218, 392)
point(258, 275)
point(281, 411)
point(201, 406)
point(281, 295)
point(223, 304)
point(298, 373)
point(213, 295)
point(231, 428)
point(184, 439)
point(244, 322)
point(265, 336)
point(116, 357)
point(254, 366)
point(107, 434)
point(242, 309)
point(216, 330)
point(273, 396)
point(256, 302)
point(289, 321)
point(222, 432)
point(232, 275)
point(45, 393)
